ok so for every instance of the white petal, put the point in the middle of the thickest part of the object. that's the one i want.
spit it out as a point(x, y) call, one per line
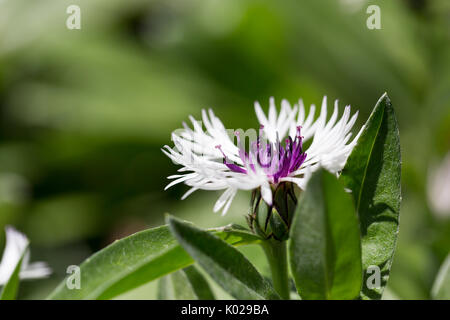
point(222, 200)
point(266, 193)
point(272, 112)
point(260, 114)
point(181, 178)
point(329, 147)
point(188, 193)
point(300, 182)
point(16, 247)
point(301, 112)
point(227, 205)
point(277, 126)
point(36, 270)
point(202, 162)
point(225, 200)
point(16, 244)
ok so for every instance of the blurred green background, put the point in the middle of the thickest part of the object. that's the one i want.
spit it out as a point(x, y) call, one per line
point(84, 113)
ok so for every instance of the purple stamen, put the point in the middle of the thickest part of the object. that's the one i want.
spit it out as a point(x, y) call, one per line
point(231, 166)
point(276, 160)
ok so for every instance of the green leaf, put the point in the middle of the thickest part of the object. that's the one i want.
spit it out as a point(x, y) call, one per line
point(176, 286)
point(226, 265)
point(186, 284)
point(199, 283)
point(325, 250)
point(441, 286)
point(11, 287)
point(372, 173)
point(136, 260)
point(235, 235)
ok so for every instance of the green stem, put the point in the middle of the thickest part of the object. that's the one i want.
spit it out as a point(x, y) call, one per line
point(277, 256)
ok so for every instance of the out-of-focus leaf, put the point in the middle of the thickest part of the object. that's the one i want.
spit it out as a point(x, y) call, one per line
point(441, 286)
point(325, 249)
point(199, 283)
point(176, 286)
point(186, 284)
point(70, 217)
point(222, 262)
point(372, 173)
point(133, 261)
point(11, 287)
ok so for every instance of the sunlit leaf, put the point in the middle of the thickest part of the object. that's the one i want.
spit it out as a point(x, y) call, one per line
point(226, 265)
point(325, 250)
point(372, 173)
point(136, 260)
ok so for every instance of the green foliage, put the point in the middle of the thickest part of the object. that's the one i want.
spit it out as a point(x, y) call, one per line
point(135, 260)
point(325, 251)
point(185, 284)
point(199, 283)
point(84, 114)
point(175, 286)
point(330, 250)
point(227, 266)
point(372, 173)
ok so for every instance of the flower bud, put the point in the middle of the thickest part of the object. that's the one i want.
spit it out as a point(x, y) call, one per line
point(275, 220)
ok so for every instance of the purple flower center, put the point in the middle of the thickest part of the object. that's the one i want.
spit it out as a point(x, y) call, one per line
point(276, 160)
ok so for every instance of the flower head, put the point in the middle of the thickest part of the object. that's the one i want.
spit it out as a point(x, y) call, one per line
point(211, 160)
point(17, 247)
point(277, 161)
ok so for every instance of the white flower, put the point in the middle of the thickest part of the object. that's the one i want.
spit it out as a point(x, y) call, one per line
point(16, 247)
point(439, 188)
point(211, 160)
